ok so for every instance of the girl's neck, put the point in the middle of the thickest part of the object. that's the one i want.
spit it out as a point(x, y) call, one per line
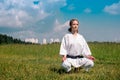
point(74, 33)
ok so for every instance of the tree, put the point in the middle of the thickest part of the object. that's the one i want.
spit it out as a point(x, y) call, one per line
point(4, 39)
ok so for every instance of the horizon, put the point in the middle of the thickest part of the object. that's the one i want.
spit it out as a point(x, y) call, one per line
point(53, 40)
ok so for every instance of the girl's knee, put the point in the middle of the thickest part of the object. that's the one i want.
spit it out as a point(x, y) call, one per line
point(91, 63)
point(66, 66)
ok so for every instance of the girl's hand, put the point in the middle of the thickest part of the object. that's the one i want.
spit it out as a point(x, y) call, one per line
point(91, 57)
point(63, 58)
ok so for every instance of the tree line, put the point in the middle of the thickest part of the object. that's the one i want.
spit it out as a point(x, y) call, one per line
point(4, 39)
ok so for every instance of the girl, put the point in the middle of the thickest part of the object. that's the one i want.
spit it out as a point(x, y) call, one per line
point(74, 49)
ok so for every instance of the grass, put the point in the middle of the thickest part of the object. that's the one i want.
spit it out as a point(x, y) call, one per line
point(42, 62)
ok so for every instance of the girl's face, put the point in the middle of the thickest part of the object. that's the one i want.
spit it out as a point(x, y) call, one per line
point(74, 26)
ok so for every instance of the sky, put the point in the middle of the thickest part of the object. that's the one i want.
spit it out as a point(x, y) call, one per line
point(99, 19)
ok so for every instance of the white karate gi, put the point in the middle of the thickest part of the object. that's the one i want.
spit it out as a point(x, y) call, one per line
point(74, 46)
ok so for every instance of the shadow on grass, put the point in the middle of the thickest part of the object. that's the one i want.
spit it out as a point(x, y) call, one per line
point(57, 70)
point(62, 71)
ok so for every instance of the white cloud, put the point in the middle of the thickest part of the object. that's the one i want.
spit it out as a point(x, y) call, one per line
point(52, 1)
point(71, 7)
point(60, 27)
point(113, 9)
point(87, 10)
point(24, 34)
point(29, 16)
point(18, 13)
point(38, 5)
point(13, 18)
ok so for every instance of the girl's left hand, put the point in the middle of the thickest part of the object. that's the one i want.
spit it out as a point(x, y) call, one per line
point(91, 57)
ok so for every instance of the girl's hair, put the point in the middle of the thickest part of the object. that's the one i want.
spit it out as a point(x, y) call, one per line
point(70, 23)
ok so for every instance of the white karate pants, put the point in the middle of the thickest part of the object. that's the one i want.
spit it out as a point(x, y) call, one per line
point(79, 62)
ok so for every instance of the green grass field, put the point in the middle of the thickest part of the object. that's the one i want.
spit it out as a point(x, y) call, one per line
point(42, 62)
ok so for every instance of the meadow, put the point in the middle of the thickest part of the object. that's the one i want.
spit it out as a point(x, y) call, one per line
point(42, 62)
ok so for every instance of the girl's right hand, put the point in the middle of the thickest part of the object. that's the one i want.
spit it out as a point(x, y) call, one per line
point(63, 58)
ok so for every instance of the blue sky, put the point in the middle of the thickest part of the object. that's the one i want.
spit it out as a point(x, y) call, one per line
point(99, 19)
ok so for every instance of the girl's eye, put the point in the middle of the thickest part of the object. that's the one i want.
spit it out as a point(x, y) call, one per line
point(75, 24)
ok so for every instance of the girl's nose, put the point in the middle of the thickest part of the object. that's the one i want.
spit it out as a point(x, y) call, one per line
point(75, 27)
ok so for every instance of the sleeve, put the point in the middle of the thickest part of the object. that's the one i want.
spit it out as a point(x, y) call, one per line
point(86, 50)
point(63, 48)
